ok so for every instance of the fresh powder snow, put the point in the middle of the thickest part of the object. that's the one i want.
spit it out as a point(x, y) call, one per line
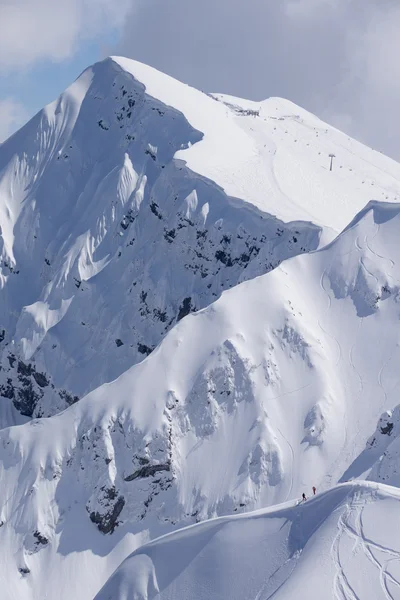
point(199, 323)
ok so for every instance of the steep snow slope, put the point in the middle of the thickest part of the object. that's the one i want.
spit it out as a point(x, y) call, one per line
point(379, 460)
point(297, 146)
point(343, 544)
point(133, 200)
point(108, 238)
point(275, 387)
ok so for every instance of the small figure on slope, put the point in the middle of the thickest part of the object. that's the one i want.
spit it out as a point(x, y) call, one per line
point(304, 497)
point(314, 490)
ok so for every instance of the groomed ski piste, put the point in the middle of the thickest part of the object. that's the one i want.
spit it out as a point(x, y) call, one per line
point(209, 317)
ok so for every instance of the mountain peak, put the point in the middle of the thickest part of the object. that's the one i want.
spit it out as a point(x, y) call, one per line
point(178, 341)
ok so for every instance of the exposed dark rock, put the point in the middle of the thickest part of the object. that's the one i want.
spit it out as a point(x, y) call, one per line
point(26, 391)
point(387, 430)
point(224, 257)
point(108, 521)
point(40, 379)
point(69, 399)
point(170, 235)
point(153, 156)
point(185, 308)
point(7, 390)
point(143, 349)
point(154, 210)
point(119, 342)
point(24, 570)
point(127, 220)
point(148, 471)
point(41, 539)
point(2, 334)
point(25, 370)
point(160, 315)
point(25, 396)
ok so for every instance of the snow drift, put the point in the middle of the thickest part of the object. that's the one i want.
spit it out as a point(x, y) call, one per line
point(343, 544)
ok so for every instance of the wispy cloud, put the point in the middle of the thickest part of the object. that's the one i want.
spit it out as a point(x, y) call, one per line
point(35, 30)
point(338, 58)
point(12, 116)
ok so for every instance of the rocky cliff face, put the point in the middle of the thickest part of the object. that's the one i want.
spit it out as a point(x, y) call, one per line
point(112, 240)
point(131, 209)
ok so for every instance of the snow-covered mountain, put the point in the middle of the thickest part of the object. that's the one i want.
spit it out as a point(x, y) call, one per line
point(274, 388)
point(125, 206)
point(133, 200)
point(342, 544)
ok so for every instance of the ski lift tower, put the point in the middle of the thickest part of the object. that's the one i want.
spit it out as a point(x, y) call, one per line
point(331, 156)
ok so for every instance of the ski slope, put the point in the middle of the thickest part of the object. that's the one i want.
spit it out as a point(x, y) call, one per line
point(247, 146)
point(209, 317)
point(133, 200)
point(342, 544)
point(274, 388)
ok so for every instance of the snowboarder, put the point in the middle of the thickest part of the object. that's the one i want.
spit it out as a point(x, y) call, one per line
point(314, 490)
point(304, 497)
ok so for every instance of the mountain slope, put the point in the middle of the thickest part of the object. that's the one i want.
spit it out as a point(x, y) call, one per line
point(108, 238)
point(274, 388)
point(134, 200)
point(343, 544)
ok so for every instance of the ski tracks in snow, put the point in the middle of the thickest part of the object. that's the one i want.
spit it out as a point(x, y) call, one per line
point(351, 360)
point(342, 587)
point(339, 348)
point(367, 242)
point(292, 465)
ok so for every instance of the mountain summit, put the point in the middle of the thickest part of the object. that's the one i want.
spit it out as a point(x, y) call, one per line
point(208, 316)
point(133, 200)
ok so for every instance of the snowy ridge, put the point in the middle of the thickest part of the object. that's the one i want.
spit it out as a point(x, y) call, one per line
point(134, 200)
point(173, 295)
point(269, 396)
point(108, 239)
point(284, 553)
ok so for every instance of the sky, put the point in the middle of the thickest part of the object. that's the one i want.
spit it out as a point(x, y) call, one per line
point(340, 59)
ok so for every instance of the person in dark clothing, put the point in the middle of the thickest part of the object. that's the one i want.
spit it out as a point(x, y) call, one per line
point(304, 497)
point(314, 490)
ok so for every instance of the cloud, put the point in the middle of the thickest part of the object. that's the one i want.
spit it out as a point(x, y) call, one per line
point(12, 116)
point(337, 58)
point(34, 30)
point(372, 88)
